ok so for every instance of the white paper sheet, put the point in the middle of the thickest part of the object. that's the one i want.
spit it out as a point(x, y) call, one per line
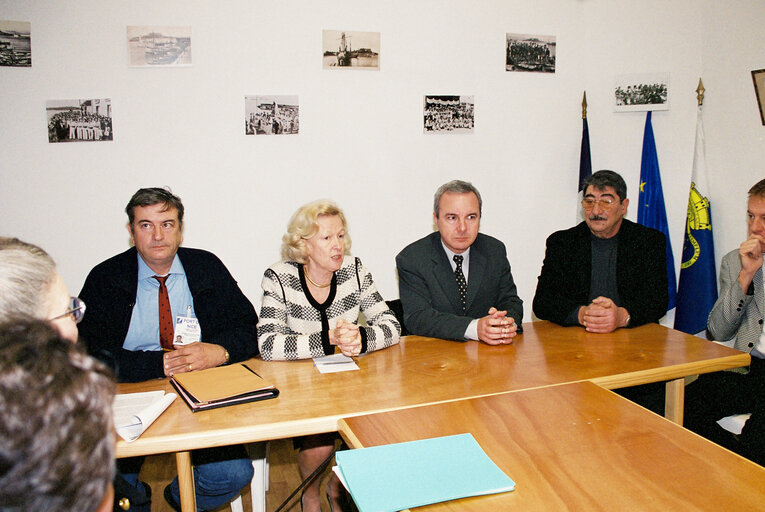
point(334, 363)
point(134, 412)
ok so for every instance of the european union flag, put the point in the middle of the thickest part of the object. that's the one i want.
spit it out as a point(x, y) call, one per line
point(651, 211)
point(697, 290)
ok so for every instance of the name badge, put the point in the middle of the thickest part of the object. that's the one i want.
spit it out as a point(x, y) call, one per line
point(187, 329)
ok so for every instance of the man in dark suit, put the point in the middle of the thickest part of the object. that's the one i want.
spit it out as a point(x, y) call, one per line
point(134, 302)
point(606, 272)
point(456, 283)
point(737, 314)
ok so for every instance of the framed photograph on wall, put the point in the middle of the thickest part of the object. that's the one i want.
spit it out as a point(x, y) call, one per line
point(15, 43)
point(79, 120)
point(641, 92)
point(271, 115)
point(534, 53)
point(348, 49)
point(158, 46)
point(448, 114)
point(758, 77)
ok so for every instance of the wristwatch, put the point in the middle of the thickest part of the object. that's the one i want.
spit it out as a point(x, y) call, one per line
point(225, 353)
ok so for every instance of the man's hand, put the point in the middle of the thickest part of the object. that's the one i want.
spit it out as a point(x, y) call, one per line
point(194, 356)
point(496, 328)
point(602, 316)
point(346, 337)
point(750, 253)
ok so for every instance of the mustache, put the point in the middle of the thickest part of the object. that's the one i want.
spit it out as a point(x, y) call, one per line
point(597, 217)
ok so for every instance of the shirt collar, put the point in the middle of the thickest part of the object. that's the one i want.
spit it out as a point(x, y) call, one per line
point(144, 272)
point(450, 255)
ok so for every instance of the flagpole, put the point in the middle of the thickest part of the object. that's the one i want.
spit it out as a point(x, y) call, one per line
point(700, 93)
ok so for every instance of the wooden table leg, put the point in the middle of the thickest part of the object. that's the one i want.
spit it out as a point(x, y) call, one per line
point(186, 481)
point(673, 406)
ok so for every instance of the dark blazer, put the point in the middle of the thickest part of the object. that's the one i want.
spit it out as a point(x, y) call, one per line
point(429, 294)
point(641, 273)
point(225, 315)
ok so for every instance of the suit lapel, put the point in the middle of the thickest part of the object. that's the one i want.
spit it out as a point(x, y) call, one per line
point(478, 262)
point(759, 292)
point(443, 274)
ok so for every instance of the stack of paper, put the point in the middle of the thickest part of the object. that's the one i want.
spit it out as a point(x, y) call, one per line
point(134, 412)
point(404, 475)
point(334, 363)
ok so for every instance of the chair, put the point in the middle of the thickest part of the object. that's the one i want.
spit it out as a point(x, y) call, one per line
point(398, 311)
point(258, 452)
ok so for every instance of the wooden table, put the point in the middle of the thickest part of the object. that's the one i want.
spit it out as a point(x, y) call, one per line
point(421, 371)
point(577, 447)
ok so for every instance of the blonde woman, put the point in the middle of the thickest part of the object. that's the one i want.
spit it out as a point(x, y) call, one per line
point(311, 305)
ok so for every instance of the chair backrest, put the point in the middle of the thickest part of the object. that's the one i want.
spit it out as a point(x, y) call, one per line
point(398, 310)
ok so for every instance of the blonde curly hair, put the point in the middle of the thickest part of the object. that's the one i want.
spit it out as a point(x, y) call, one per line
point(304, 224)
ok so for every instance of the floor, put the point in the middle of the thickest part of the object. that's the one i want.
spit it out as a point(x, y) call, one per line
point(159, 470)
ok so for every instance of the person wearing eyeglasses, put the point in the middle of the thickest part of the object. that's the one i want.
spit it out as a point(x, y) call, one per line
point(31, 287)
point(135, 301)
point(607, 272)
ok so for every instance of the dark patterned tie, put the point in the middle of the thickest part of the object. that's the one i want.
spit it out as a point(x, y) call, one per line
point(165, 315)
point(461, 283)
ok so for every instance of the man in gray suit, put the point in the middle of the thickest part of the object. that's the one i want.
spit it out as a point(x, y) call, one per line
point(456, 283)
point(738, 313)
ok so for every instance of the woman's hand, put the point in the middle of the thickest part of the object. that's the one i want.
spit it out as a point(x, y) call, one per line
point(346, 337)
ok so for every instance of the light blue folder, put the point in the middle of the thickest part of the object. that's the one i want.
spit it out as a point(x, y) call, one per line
point(403, 475)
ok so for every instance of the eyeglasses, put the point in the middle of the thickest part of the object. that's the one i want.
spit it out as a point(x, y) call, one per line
point(605, 203)
point(76, 309)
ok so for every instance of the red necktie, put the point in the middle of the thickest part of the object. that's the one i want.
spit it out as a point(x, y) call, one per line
point(165, 315)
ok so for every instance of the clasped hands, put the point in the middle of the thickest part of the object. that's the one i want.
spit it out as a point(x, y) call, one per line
point(602, 316)
point(346, 337)
point(496, 328)
point(194, 356)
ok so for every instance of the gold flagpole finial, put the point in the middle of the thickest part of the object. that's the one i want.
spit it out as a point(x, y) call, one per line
point(700, 92)
point(584, 105)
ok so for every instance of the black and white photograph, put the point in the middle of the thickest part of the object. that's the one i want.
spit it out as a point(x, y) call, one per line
point(532, 53)
point(348, 49)
point(15, 43)
point(271, 115)
point(758, 76)
point(641, 92)
point(448, 114)
point(79, 120)
point(159, 46)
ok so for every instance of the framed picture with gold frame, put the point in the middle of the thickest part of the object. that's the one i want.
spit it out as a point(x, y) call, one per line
point(758, 76)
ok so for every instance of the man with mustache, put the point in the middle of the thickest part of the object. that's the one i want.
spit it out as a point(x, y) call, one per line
point(606, 273)
point(134, 302)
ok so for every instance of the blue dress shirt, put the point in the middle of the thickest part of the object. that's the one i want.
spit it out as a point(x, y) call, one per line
point(143, 333)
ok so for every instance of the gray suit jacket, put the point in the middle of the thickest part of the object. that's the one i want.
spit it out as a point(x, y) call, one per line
point(737, 313)
point(429, 294)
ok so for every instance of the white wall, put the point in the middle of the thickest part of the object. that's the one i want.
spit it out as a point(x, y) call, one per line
point(361, 140)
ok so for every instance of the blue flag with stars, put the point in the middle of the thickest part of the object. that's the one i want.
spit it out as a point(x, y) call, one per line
point(697, 290)
point(651, 211)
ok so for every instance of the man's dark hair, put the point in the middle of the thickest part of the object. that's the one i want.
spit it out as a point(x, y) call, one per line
point(605, 178)
point(152, 196)
point(56, 428)
point(758, 190)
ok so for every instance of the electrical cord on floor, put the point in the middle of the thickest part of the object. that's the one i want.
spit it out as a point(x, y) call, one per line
point(305, 483)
